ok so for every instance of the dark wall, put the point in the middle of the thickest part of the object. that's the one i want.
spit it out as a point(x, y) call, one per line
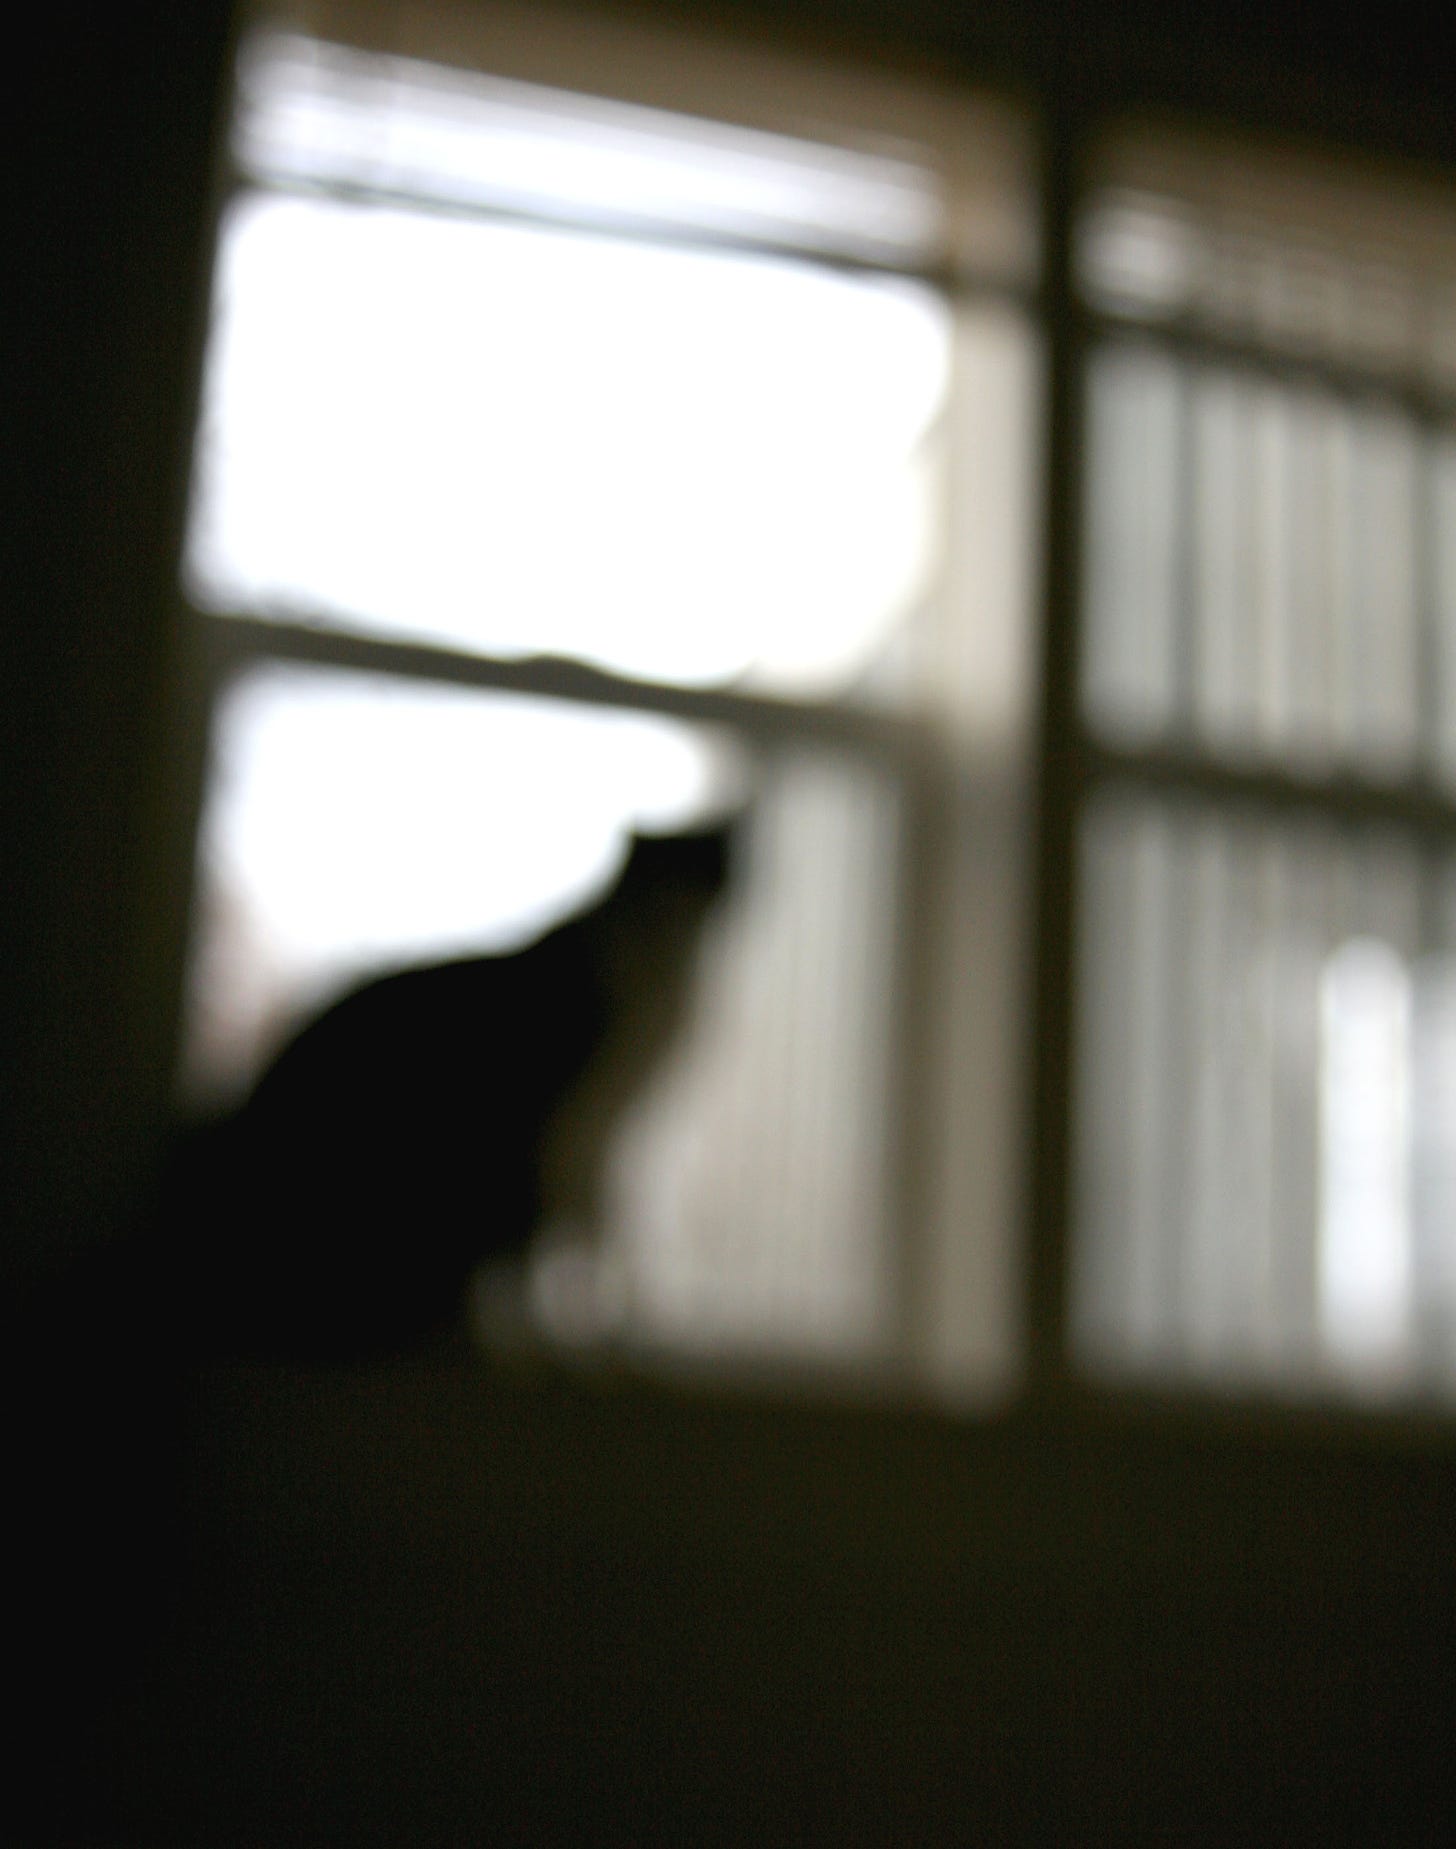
point(108, 179)
point(522, 1611)
point(1363, 75)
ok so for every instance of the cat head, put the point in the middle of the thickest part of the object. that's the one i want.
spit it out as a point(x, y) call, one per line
point(651, 923)
point(696, 861)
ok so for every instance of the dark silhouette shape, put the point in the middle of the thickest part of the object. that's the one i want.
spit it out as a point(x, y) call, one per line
point(428, 1122)
point(424, 1123)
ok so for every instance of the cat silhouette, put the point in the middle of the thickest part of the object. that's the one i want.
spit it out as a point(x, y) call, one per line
point(430, 1121)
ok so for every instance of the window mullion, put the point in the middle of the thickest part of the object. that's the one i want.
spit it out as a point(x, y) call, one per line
point(1059, 756)
point(237, 639)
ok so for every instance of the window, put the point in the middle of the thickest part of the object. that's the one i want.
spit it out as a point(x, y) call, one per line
point(597, 425)
point(1264, 1184)
point(626, 421)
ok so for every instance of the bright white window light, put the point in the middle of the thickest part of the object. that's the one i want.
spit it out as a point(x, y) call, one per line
point(1433, 1160)
point(685, 465)
point(354, 823)
point(1365, 1269)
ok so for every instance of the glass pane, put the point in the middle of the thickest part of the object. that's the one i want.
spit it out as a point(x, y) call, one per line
point(751, 1189)
point(687, 467)
point(1268, 1043)
point(1253, 567)
point(1134, 478)
point(354, 825)
point(493, 431)
point(1442, 491)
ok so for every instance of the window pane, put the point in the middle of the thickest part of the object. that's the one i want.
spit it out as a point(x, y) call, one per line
point(494, 431)
point(1133, 568)
point(1254, 553)
point(751, 1190)
point(1268, 534)
point(1265, 1102)
point(356, 825)
point(687, 467)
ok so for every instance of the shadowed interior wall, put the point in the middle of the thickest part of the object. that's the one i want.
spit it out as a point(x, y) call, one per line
point(106, 224)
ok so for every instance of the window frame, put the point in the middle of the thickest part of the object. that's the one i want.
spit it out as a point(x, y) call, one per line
point(1078, 766)
point(1053, 777)
point(934, 782)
